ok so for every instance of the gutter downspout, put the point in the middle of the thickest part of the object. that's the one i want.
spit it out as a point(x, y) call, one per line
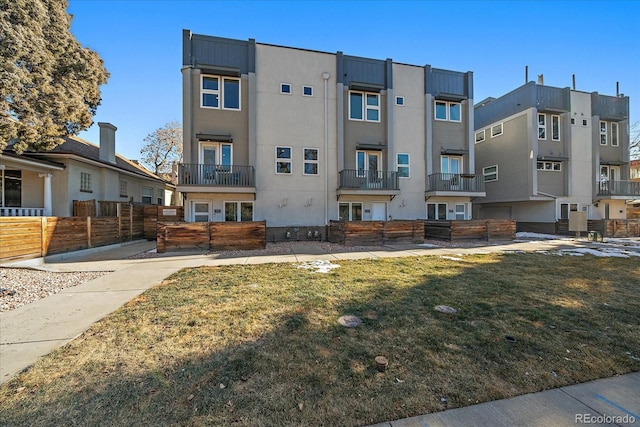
point(326, 76)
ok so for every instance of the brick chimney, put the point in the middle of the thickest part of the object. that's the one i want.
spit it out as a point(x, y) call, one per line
point(107, 142)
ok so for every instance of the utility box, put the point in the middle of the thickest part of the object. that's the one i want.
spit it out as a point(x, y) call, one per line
point(577, 221)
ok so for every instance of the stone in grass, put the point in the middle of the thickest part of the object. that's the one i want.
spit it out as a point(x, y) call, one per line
point(445, 309)
point(349, 321)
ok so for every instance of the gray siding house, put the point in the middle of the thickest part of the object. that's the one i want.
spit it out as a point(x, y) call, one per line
point(547, 151)
point(299, 137)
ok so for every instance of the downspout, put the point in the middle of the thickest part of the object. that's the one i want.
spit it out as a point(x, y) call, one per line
point(325, 76)
point(2, 184)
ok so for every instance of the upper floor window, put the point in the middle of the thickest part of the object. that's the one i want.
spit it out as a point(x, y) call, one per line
point(555, 128)
point(285, 88)
point(603, 133)
point(400, 101)
point(451, 111)
point(614, 134)
point(364, 106)
point(220, 92)
point(283, 160)
point(451, 164)
point(480, 136)
point(310, 161)
point(549, 166)
point(85, 181)
point(402, 165)
point(496, 130)
point(307, 90)
point(490, 173)
point(542, 126)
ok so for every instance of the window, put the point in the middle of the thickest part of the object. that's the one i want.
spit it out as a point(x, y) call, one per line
point(436, 211)
point(573, 120)
point(200, 211)
point(285, 88)
point(585, 122)
point(542, 126)
point(350, 211)
point(461, 211)
point(480, 136)
point(283, 160)
point(364, 106)
point(450, 164)
point(402, 165)
point(368, 162)
point(147, 195)
point(307, 90)
point(160, 192)
point(310, 161)
point(555, 128)
point(603, 133)
point(549, 166)
point(451, 111)
point(490, 173)
point(214, 94)
point(123, 188)
point(614, 134)
point(496, 130)
point(85, 182)
point(565, 208)
point(400, 101)
point(238, 211)
point(11, 188)
point(216, 153)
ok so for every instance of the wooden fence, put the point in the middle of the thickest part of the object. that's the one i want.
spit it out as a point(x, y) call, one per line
point(484, 229)
point(154, 214)
point(202, 236)
point(352, 233)
point(607, 227)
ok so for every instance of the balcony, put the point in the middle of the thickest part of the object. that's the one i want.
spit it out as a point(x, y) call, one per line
point(215, 178)
point(455, 184)
point(363, 182)
point(618, 189)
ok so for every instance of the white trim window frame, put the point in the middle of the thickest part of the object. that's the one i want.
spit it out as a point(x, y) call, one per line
point(85, 182)
point(239, 212)
point(439, 211)
point(355, 209)
point(451, 110)
point(198, 214)
point(219, 94)
point(221, 153)
point(285, 88)
point(542, 126)
point(603, 133)
point(495, 132)
point(549, 166)
point(310, 161)
point(123, 188)
point(363, 162)
point(480, 136)
point(555, 128)
point(307, 90)
point(614, 135)
point(368, 112)
point(284, 164)
point(490, 173)
point(400, 101)
point(147, 195)
point(403, 161)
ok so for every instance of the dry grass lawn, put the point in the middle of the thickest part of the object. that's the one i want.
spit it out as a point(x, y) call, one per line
point(260, 345)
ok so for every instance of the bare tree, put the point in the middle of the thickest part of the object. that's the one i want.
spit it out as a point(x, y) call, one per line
point(634, 140)
point(49, 83)
point(163, 147)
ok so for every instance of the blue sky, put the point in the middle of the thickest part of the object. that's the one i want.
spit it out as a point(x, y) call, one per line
point(141, 44)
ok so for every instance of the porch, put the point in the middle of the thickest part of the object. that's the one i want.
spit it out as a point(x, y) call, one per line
point(455, 184)
point(618, 189)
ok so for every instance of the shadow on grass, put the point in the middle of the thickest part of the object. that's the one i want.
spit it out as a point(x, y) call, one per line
point(261, 345)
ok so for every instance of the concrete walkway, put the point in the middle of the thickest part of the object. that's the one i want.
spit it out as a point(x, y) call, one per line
point(36, 329)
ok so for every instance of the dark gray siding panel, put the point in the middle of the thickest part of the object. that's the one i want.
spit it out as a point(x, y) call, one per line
point(609, 107)
point(553, 99)
point(447, 83)
point(363, 70)
point(208, 50)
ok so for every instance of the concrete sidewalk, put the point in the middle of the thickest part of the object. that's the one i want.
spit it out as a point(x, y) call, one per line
point(36, 329)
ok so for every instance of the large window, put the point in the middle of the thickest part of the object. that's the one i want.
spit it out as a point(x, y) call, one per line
point(123, 188)
point(310, 161)
point(451, 164)
point(147, 195)
point(565, 208)
point(220, 92)
point(216, 153)
point(283, 160)
point(451, 111)
point(11, 188)
point(436, 211)
point(238, 211)
point(364, 106)
point(368, 162)
point(85, 182)
point(555, 128)
point(542, 126)
point(402, 165)
point(614, 134)
point(490, 173)
point(350, 211)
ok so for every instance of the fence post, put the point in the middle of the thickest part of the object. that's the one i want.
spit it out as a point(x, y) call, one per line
point(130, 222)
point(89, 232)
point(118, 214)
point(43, 236)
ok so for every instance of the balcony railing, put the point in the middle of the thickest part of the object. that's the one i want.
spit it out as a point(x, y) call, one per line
point(216, 175)
point(619, 188)
point(368, 180)
point(21, 211)
point(463, 183)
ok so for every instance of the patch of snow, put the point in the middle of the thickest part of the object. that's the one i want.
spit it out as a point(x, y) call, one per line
point(428, 245)
point(451, 258)
point(538, 236)
point(320, 266)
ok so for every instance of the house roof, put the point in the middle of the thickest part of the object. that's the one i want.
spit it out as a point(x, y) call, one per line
point(47, 164)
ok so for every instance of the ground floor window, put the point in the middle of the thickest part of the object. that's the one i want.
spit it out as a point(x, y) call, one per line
point(238, 211)
point(350, 211)
point(565, 208)
point(147, 195)
point(436, 211)
point(461, 211)
point(11, 188)
point(200, 211)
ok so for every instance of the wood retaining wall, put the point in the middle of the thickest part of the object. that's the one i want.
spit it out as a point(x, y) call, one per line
point(374, 233)
point(217, 236)
point(483, 229)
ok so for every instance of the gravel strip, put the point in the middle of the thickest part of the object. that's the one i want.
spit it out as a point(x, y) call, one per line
point(20, 286)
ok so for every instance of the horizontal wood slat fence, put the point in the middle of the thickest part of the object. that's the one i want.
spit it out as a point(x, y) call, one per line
point(218, 236)
point(372, 233)
point(606, 227)
point(484, 229)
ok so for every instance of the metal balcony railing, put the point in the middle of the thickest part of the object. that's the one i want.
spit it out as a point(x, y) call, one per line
point(216, 175)
point(467, 183)
point(619, 188)
point(368, 180)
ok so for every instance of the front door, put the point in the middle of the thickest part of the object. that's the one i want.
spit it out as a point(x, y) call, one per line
point(378, 211)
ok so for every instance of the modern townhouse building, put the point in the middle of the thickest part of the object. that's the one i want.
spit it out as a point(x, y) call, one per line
point(299, 137)
point(546, 151)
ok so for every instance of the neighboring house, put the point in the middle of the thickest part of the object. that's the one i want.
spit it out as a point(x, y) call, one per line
point(46, 183)
point(299, 137)
point(634, 170)
point(547, 151)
